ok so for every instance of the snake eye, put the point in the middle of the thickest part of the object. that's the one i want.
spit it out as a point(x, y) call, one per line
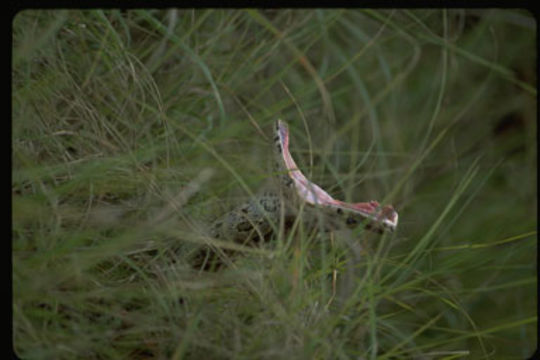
point(340, 211)
point(351, 221)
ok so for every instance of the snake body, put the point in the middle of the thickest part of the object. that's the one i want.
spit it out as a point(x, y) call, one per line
point(262, 214)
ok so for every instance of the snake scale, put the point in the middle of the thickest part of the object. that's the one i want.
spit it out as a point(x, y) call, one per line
point(260, 216)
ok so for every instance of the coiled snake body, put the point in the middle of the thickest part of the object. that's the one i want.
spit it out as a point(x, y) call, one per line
point(262, 214)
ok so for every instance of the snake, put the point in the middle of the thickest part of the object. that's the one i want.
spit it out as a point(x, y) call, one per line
point(292, 190)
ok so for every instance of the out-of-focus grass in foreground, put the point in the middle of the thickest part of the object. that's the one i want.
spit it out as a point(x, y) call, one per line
point(133, 129)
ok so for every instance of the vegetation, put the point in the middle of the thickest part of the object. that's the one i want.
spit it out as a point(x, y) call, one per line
point(132, 130)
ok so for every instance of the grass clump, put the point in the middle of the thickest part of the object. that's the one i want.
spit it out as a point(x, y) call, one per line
point(133, 129)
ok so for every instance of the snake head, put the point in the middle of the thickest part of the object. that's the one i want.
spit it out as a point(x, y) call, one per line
point(375, 217)
point(388, 217)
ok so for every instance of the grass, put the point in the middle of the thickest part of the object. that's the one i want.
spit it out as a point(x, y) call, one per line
point(132, 130)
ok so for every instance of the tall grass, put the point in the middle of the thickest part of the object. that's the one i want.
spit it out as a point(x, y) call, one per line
point(133, 129)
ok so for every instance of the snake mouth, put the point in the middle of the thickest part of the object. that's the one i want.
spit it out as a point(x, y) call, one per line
point(378, 218)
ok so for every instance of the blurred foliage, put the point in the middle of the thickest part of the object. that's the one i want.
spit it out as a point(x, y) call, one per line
point(132, 129)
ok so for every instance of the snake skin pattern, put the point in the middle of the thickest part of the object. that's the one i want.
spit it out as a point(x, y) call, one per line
point(261, 215)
